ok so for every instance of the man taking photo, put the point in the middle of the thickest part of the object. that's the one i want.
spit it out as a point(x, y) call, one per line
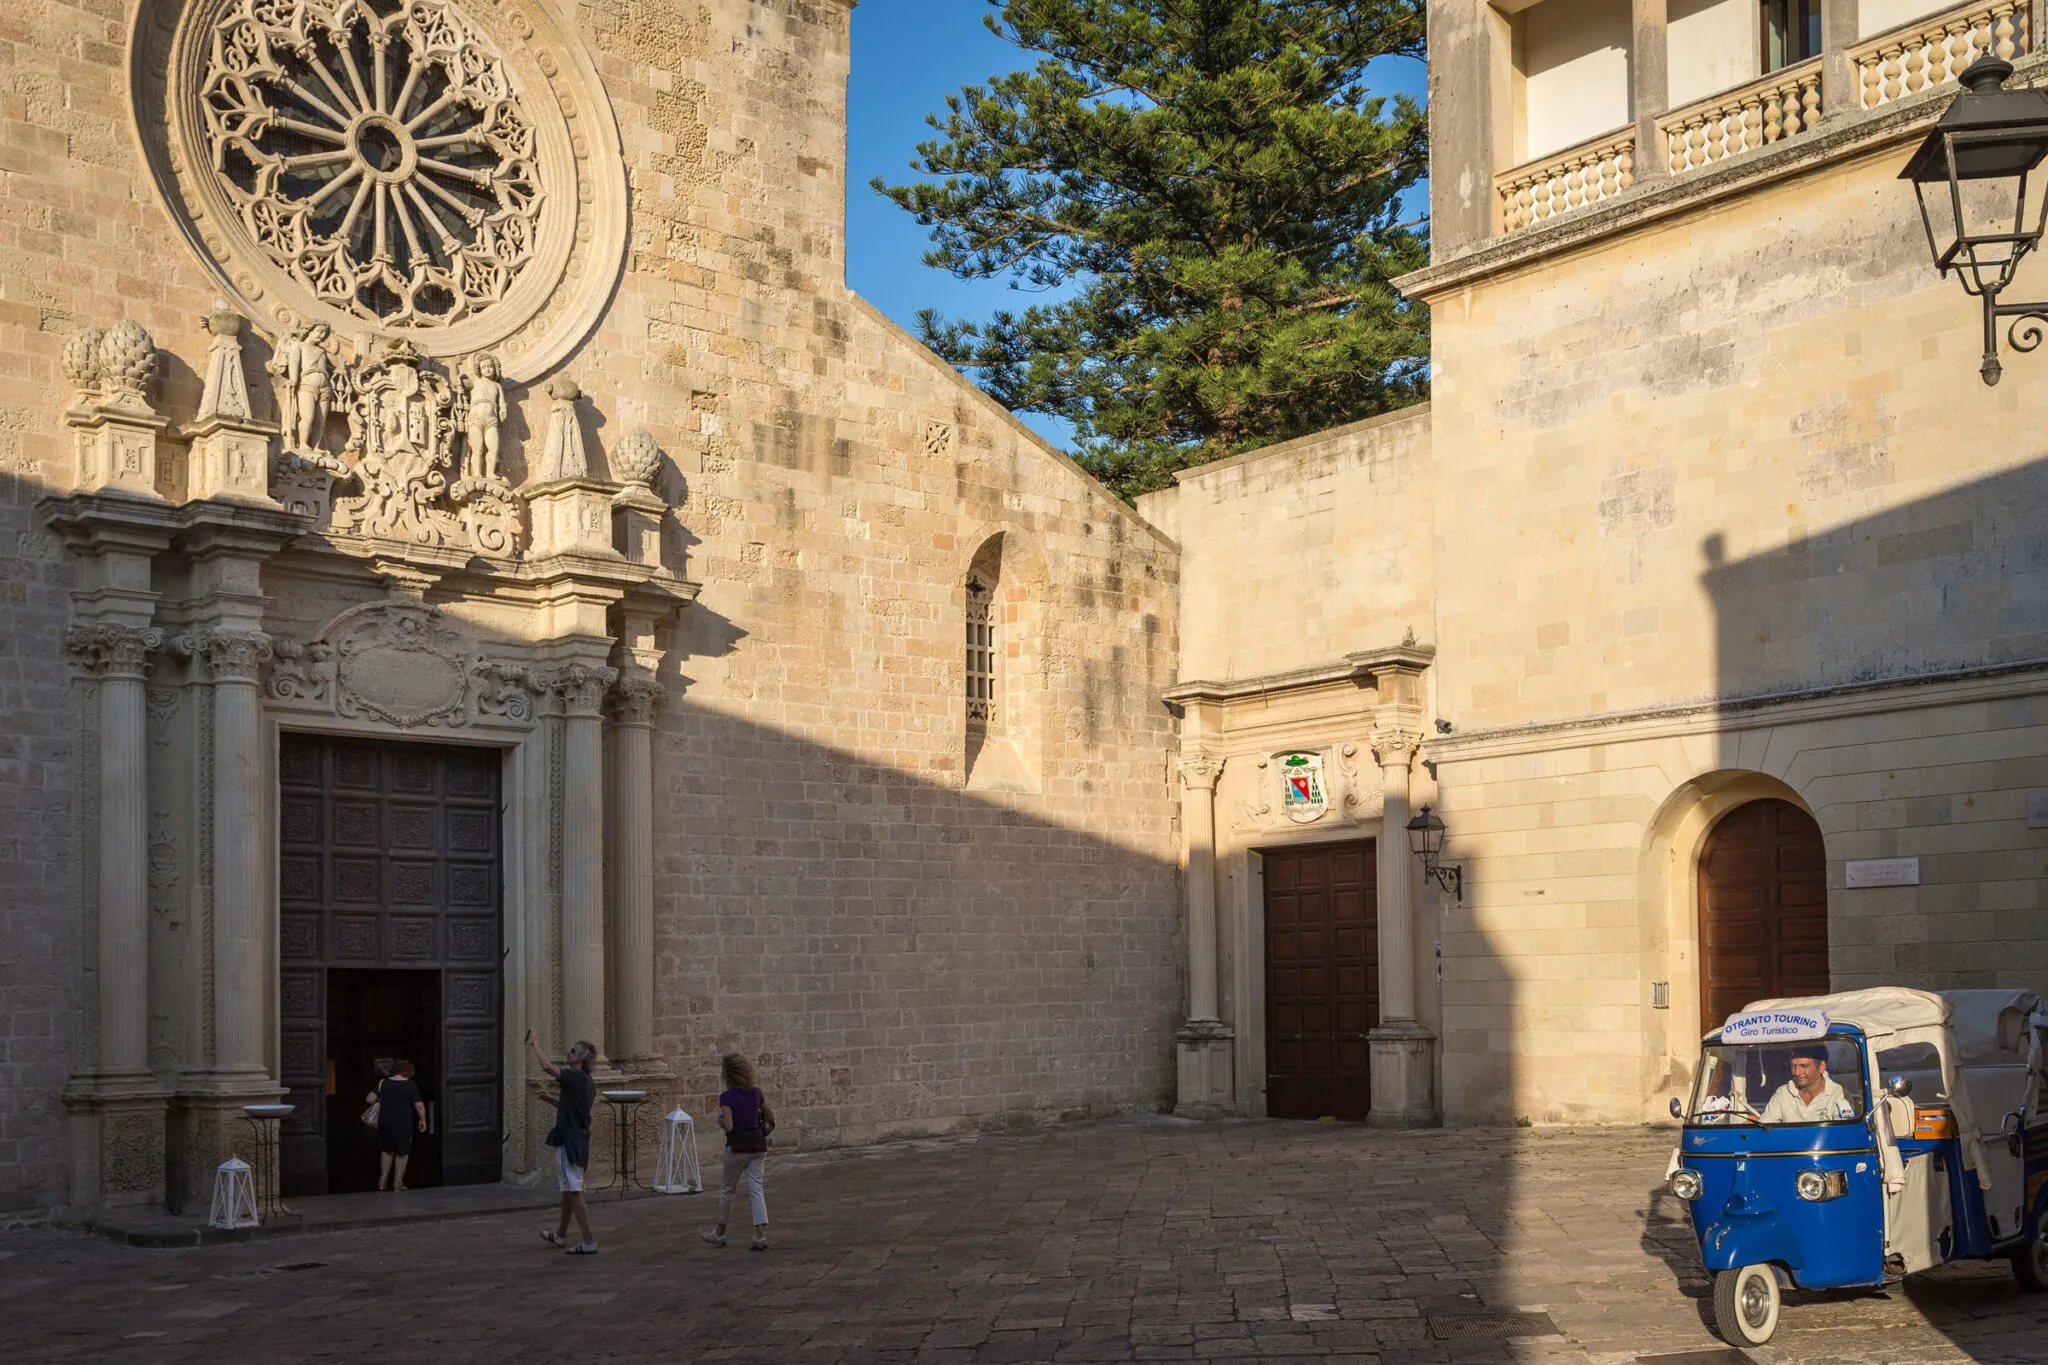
point(570, 1137)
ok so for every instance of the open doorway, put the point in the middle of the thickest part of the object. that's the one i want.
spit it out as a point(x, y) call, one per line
point(376, 1017)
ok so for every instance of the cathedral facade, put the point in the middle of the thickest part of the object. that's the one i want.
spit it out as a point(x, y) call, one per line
point(476, 568)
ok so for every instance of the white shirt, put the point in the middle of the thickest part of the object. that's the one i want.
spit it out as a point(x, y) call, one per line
point(1787, 1107)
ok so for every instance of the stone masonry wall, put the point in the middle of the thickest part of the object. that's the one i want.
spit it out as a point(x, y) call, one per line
point(902, 955)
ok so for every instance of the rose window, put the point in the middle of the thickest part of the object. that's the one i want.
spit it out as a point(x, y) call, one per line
point(376, 151)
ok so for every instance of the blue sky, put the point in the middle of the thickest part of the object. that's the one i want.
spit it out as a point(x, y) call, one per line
point(908, 55)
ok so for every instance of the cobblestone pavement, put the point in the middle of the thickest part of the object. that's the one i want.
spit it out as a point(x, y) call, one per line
point(1144, 1240)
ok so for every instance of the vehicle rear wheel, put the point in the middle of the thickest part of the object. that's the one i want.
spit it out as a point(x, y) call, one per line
point(1746, 1304)
point(2030, 1262)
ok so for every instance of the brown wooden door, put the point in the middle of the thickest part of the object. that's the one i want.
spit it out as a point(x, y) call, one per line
point(1322, 981)
point(1763, 909)
point(389, 868)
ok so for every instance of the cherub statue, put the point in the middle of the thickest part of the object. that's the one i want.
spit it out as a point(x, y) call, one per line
point(484, 385)
point(302, 364)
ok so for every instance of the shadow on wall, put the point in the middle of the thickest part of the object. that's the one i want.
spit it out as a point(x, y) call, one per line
point(902, 956)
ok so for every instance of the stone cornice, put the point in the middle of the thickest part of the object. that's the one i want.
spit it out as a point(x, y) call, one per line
point(1358, 669)
point(1791, 707)
point(1841, 137)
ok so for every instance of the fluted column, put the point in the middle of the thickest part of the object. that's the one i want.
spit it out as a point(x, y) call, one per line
point(581, 688)
point(233, 659)
point(634, 702)
point(118, 656)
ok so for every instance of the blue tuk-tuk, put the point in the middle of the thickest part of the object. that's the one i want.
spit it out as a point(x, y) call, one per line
point(1844, 1141)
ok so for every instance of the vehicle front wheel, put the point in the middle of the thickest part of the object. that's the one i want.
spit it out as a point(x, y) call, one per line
point(2030, 1262)
point(1746, 1304)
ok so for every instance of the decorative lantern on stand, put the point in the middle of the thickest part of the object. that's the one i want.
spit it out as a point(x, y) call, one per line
point(679, 1171)
point(234, 1196)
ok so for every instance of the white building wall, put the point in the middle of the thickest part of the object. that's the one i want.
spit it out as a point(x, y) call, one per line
point(1875, 16)
point(1712, 47)
point(1575, 66)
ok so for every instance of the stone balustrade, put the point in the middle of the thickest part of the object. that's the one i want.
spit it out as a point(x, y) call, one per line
point(1575, 178)
point(1933, 52)
point(1782, 105)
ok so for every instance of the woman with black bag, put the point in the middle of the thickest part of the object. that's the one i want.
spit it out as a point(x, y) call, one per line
point(744, 1114)
point(399, 1111)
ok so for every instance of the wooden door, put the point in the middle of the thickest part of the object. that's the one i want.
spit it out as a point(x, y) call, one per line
point(389, 861)
point(1322, 980)
point(1763, 909)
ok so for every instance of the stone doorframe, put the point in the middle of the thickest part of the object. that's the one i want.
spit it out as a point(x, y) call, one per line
point(1353, 718)
point(205, 618)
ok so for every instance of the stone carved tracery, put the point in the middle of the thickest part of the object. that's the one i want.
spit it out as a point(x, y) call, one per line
point(377, 151)
point(405, 664)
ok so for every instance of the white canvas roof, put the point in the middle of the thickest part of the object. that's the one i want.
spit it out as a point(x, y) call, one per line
point(1877, 1010)
point(1991, 1026)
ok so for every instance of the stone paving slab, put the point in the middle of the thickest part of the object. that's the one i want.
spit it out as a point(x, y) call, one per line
point(1144, 1240)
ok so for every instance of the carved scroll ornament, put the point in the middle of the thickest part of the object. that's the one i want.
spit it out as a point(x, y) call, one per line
point(405, 664)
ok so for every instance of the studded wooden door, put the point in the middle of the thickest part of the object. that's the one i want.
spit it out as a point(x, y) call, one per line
point(389, 858)
point(1322, 980)
point(1763, 909)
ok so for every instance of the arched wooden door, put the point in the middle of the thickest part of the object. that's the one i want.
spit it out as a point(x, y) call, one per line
point(1763, 909)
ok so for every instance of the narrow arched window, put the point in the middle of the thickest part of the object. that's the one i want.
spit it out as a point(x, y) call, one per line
point(981, 655)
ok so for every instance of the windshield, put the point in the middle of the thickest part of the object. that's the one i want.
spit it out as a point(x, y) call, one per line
point(1778, 1083)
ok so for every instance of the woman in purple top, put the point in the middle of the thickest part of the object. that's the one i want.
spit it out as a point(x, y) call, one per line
point(746, 1119)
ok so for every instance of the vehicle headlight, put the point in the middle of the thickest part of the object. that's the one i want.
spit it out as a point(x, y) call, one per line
point(1819, 1185)
point(1686, 1184)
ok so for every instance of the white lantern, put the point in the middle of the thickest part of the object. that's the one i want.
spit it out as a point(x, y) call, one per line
point(234, 1196)
point(679, 1172)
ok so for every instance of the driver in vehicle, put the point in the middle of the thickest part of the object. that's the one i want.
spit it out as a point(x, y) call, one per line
point(1810, 1096)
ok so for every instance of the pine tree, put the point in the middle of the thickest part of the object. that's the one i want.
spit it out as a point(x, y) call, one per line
point(1223, 193)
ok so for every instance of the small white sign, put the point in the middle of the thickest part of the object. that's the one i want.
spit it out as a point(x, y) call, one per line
point(1881, 872)
point(1775, 1026)
point(2037, 808)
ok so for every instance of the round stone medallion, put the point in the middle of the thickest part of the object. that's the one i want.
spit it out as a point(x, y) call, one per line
point(424, 168)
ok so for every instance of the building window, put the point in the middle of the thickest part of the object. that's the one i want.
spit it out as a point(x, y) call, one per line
point(1790, 32)
point(981, 655)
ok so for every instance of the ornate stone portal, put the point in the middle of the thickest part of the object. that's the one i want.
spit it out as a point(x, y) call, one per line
point(214, 612)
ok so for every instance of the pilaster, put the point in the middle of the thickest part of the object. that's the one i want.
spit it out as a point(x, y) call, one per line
point(1205, 1046)
point(578, 690)
point(1402, 1048)
point(634, 700)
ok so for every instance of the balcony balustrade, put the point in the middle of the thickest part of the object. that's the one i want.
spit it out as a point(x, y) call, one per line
point(1933, 52)
point(1566, 182)
point(1782, 105)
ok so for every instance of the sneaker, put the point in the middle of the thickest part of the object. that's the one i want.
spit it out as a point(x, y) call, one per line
point(553, 1238)
point(716, 1239)
point(583, 1249)
point(760, 1244)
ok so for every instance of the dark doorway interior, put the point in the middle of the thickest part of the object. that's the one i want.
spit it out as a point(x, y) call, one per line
point(1322, 980)
point(373, 1019)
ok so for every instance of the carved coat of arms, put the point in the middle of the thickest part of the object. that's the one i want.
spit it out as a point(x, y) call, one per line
point(1304, 789)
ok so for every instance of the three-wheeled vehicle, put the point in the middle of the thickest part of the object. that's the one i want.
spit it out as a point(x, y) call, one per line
point(1842, 1141)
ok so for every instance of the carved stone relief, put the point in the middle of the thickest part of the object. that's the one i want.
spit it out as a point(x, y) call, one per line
point(402, 663)
point(445, 169)
point(1342, 794)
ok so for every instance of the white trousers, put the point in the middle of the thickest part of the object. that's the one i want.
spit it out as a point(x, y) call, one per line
point(755, 1165)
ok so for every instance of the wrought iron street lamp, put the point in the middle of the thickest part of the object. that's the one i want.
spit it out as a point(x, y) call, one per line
point(1426, 838)
point(1981, 201)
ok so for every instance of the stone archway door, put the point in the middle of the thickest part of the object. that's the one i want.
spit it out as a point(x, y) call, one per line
point(1763, 909)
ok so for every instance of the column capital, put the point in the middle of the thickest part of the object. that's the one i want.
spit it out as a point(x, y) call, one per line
point(1200, 769)
point(1395, 748)
point(635, 698)
point(580, 688)
point(230, 656)
point(113, 651)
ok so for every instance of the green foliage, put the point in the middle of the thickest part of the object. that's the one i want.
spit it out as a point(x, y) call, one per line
point(1222, 191)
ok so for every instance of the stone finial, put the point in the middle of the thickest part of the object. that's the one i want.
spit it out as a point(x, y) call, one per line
point(127, 365)
point(637, 459)
point(226, 393)
point(563, 457)
point(81, 361)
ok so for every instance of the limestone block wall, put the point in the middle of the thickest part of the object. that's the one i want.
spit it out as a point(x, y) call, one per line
point(902, 955)
point(1735, 453)
point(1580, 854)
point(1295, 555)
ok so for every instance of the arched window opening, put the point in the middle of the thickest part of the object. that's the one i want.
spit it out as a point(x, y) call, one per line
point(982, 654)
